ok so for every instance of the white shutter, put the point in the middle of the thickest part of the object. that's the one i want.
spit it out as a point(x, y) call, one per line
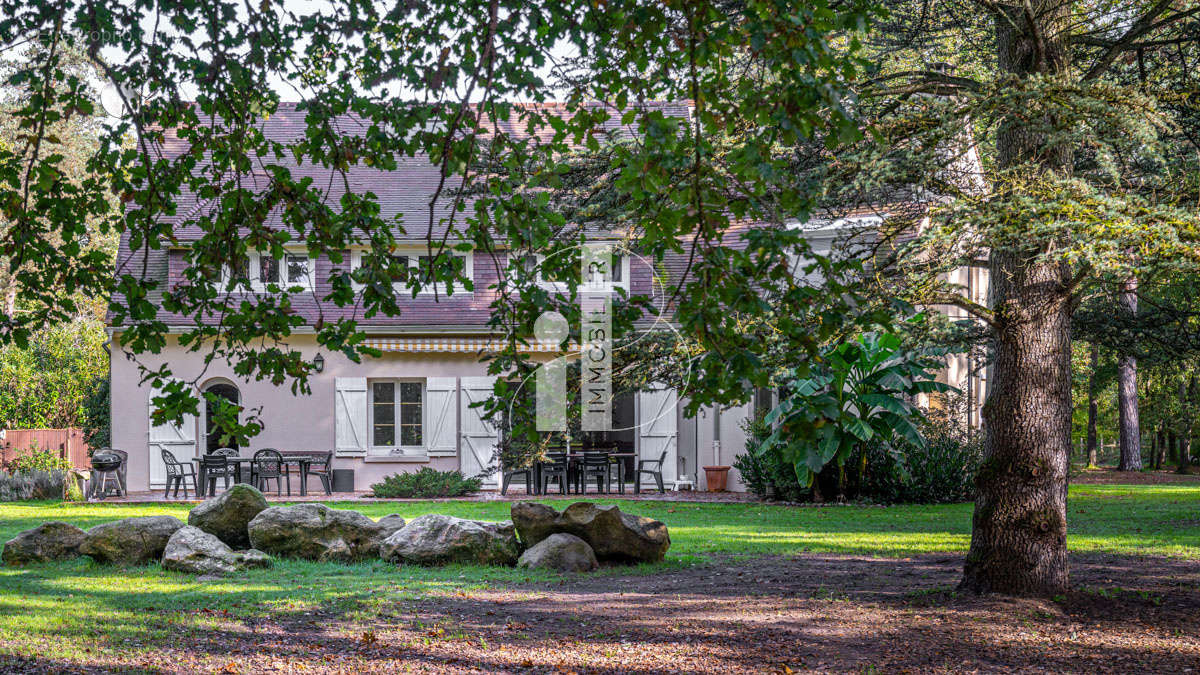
point(658, 430)
point(441, 416)
point(179, 440)
point(350, 417)
point(480, 438)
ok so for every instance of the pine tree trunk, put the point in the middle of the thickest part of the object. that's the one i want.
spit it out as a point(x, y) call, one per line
point(1019, 528)
point(1093, 409)
point(1160, 443)
point(1127, 395)
point(1181, 462)
point(1186, 395)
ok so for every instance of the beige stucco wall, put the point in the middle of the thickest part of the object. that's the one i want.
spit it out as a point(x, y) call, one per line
point(291, 421)
point(696, 442)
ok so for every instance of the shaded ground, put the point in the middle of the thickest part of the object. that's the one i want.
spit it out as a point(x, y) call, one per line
point(766, 614)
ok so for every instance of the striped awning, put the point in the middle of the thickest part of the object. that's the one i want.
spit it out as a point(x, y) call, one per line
point(454, 344)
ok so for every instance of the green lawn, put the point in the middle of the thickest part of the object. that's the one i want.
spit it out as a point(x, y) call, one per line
point(64, 609)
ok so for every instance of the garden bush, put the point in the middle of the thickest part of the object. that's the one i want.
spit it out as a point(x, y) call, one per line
point(941, 472)
point(767, 475)
point(426, 483)
point(37, 460)
point(25, 485)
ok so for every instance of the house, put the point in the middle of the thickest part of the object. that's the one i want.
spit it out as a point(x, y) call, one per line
point(407, 409)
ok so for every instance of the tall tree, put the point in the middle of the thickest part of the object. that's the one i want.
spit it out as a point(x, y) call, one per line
point(1092, 406)
point(1130, 432)
point(1049, 157)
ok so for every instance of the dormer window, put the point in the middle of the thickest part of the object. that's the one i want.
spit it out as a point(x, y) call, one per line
point(292, 270)
point(420, 264)
point(618, 272)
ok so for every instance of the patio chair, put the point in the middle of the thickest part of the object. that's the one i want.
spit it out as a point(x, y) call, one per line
point(177, 475)
point(322, 468)
point(266, 466)
point(235, 467)
point(594, 465)
point(654, 468)
point(508, 475)
point(558, 467)
point(216, 465)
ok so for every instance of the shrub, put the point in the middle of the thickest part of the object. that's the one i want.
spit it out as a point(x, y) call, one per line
point(38, 460)
point(859, 394)
point(943, 471)
point(765, 472)
point(426, 483)
point(25, 485)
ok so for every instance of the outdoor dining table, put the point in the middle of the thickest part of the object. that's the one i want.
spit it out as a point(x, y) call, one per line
point(302, 461)
point(576, 456)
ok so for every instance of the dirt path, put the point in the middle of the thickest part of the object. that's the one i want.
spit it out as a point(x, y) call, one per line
point(810, 613)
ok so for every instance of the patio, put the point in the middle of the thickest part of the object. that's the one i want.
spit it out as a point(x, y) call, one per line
point(696, 496)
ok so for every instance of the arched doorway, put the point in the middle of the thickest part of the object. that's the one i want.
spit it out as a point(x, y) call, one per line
point(214, 436)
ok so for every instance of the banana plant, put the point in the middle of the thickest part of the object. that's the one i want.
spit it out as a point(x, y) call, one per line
point(860, 392)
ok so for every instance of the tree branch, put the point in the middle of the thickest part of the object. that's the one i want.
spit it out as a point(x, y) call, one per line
point(1142, 26)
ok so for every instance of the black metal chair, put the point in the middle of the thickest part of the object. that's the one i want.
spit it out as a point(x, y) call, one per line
point(323, 469)
point(655, 470)
point(558, 467)
point(266, 466)
point(235, 467)
point(177, 475)
point(216, 465)
point(593, 465)
point(508, 475)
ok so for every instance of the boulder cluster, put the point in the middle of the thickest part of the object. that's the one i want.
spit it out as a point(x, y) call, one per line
point(237, 530)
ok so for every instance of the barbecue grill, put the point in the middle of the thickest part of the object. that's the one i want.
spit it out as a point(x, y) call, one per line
point(106, 467)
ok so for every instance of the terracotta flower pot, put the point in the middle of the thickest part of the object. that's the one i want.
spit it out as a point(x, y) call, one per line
point(716, 477)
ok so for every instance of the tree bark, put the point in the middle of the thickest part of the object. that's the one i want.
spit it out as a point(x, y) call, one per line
point(1181, 463)
point(1160, 444)
point(1019, 528)
point(1093, 409)
point(1187, 395)
point(1127, 394)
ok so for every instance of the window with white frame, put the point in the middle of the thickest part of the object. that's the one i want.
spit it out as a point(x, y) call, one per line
point(423, 265)
point(261, 270)
point(618, 272)
point(397, 416)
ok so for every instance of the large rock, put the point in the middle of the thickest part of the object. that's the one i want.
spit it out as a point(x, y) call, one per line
point(391, 523)
point(613, 535)
point(436, 540)
point(49, 541)
point(228, 514)
point(130, 541)
point(195, 551)
point(560, 552)
point(316, 532)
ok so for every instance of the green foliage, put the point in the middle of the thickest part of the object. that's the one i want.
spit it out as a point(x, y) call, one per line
point(50, 382)
point(941, 471)
point(38, 460)
point(426, 483)
point(858, 395)
point(97, 429)
point(431, 82)
point(765, 472)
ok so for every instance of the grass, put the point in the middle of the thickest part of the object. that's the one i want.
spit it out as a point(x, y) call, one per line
point(78, 610)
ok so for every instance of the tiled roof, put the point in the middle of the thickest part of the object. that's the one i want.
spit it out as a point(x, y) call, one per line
point(403, 194)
